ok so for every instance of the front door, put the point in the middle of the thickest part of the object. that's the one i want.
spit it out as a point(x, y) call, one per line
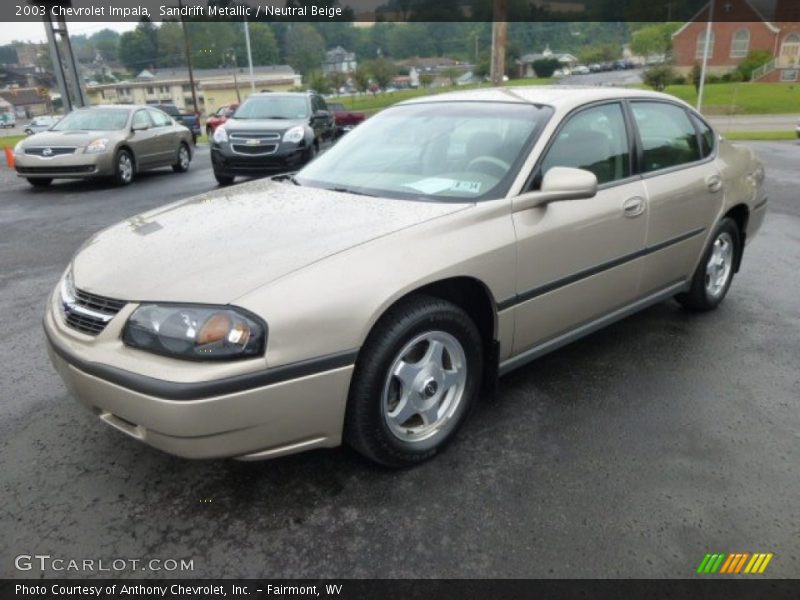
point(579, 260)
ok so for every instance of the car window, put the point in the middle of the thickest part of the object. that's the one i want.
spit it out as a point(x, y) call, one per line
point(707, 137)
point(322, 104)
point(458, 151)
point(668, 137)
point(159, 118)
point(596, 140)
point(140, 119)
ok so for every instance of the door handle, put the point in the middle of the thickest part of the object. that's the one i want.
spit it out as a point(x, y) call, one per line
point(633, 207)
point(714, 183)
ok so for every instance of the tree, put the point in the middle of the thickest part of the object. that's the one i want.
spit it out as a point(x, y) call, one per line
point(382, 71)
point(171, 50)
point(317, 81)
point(754, 60)
point(696, 76)
point(137, 49)
point(425, 80)
point(305, 48)
point(106, 43)
point(654, 39)
point(452, 74)
point(336, 80)
point(659, 77)
point(361, 78)
point(545, 67)
point(262, 43)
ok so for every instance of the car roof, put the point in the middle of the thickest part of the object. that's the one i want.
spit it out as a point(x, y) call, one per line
point(562, 97)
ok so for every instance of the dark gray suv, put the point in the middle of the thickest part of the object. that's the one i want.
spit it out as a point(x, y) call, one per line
point(271, 133)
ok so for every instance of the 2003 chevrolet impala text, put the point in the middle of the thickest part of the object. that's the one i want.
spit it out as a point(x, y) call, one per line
point(370, 297)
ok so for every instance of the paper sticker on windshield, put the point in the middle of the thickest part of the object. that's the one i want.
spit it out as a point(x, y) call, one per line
point(470, 187)
point(432, 185)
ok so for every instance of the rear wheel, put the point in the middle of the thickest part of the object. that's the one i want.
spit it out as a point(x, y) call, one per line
point(182, 160)
point(123, 168)
point(40, 181)
point(415, 380)
point(223, 179)
point(714, 274)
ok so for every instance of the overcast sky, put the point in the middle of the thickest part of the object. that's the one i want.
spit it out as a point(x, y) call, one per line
point(34, 31)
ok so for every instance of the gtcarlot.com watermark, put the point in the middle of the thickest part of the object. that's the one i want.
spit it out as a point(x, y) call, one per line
point(46, 562)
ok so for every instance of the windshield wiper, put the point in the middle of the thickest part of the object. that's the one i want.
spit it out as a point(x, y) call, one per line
point(345, 190)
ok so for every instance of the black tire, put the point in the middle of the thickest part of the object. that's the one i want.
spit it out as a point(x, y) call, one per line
point(223, 179)
point(182, 159)
point(699, 298)
point(40, 181)
point(366, 423)
point(123, 175)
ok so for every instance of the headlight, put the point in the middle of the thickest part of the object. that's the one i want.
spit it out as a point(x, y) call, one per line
point(295, 135)
point(195, 332)
point(18, 148)
point(220, 135)
point(96, 146)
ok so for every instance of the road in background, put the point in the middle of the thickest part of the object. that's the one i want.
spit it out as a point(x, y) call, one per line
point(630, 453)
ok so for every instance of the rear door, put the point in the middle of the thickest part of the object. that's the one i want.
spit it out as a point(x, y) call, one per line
point(580, 260)
point(684, 187)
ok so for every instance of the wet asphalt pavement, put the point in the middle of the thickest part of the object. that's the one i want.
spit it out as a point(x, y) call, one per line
point(630, 453)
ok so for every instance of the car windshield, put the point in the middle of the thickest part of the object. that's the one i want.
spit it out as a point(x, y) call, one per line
point(273, 107)
point(443, 151)
point(102, 119)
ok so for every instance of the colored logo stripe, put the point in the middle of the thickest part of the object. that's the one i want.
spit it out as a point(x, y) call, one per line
point(734, 563)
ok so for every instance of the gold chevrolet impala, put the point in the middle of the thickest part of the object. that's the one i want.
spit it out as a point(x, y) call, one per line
point(372, 297)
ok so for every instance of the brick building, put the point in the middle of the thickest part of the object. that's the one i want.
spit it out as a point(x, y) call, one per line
point(740, 26)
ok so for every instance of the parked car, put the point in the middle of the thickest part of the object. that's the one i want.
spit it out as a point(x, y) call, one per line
point(115, 141)
point(271, 133)
point(595, 68)
point(344, 119)
point(581, 70)
point(189, 120)
point(8, 120)
point(38, 124)
point(372, 296)
point(218, 118)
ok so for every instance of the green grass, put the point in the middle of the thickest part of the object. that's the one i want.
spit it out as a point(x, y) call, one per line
point(10, 140)
point(743, 98)
point(764, 136)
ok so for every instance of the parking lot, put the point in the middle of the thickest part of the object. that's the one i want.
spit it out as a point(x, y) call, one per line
point(630, 453)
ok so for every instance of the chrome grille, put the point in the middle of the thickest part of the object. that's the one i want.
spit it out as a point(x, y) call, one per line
point(48, 151)
point(86, 312)
point(259, 150)
point(244, 136)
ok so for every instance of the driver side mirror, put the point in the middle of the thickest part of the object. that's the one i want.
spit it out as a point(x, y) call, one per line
point(558, 184)
point(139, 127)
point(321, 114)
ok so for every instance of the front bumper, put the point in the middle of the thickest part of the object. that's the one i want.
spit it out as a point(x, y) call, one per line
point(290, 415)
point(71, 166)
point(287, 157)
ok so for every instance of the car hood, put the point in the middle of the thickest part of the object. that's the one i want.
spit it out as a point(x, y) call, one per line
point(67, 138)
point(233, 124)
point(218, 246)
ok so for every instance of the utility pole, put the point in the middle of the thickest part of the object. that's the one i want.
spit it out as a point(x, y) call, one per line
point(499, 40)
point(249, 55)
point(704, 70)
point(188, 47)
point(64, 65)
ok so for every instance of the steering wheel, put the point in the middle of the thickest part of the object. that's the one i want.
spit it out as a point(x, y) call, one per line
point(496, 166)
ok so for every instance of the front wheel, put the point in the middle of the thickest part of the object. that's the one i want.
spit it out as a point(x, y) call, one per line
point(182, 159)
point(123, 168)
point(714, 274)
point(416, 378)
